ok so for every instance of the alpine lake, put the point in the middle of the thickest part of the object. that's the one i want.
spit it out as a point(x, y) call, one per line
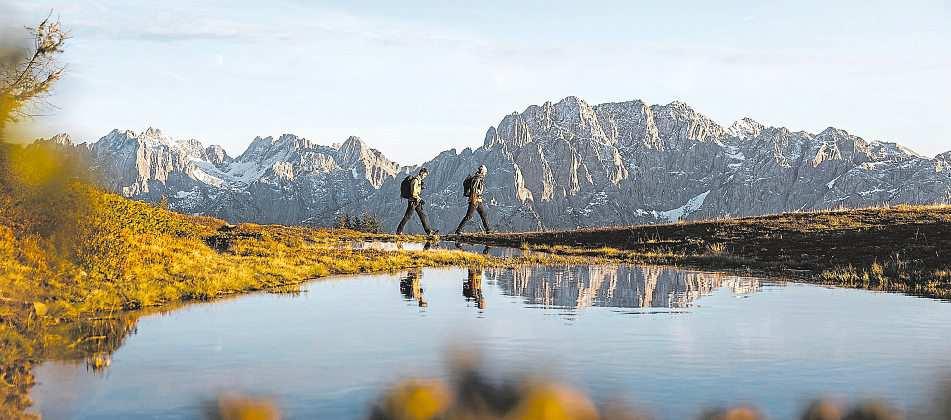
point(669, 341)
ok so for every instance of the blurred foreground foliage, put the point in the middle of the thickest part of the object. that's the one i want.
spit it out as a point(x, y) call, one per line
point(469, 394)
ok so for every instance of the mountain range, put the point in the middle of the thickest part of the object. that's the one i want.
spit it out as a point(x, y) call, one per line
point(557, 165)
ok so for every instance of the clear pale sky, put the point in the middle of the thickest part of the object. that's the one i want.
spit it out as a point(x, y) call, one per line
point(414, 78)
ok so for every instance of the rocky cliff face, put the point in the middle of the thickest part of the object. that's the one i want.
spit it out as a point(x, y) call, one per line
point(558, 165)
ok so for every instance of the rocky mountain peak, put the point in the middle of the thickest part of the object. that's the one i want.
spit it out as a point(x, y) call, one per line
point(570, 107)
point(294, 142)
point(61, 139)
point(152, 133)
point(360, 158)
point(745, 128)
point(353, 151)
point(837, 144)
point(677, 109)
point(353, 146)
point(491, 138)
point(259, 141)
point(683, 125)
point(575, 111)
point(116, 133)
point(217, 155)
point(117, 139)
point(884, 150)
point(192, 147)
point(265, 148)
point(834, 133)
point(943, 162)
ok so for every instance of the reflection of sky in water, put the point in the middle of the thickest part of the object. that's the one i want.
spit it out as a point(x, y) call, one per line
point(329, 351)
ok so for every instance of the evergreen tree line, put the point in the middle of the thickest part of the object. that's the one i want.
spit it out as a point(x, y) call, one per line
point(363, 223)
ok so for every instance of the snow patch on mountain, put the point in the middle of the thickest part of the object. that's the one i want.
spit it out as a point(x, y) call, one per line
point(685, 210)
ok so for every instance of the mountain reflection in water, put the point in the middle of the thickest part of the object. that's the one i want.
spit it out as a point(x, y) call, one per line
point(784, 344)
point(576, 287)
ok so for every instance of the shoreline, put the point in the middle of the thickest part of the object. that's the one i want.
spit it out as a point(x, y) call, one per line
point(903, 249)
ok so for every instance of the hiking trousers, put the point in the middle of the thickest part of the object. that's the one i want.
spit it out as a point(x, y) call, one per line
point(417, 206)
point(475, 206)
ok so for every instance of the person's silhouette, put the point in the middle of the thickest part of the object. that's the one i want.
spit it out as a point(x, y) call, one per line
point(472, 287)
point(411, 286)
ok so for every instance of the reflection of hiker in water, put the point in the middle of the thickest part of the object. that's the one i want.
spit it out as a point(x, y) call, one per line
point(472, 288)
point(411, 286)
point(485, 251)
point(410, 190)
point(473, 187)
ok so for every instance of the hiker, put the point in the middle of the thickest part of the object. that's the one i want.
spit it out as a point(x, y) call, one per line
point(410, 190)
point(472, 287)
point(473, 187)
point(412, 288)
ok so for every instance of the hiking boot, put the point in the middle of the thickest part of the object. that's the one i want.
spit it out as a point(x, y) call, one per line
point(457, 233)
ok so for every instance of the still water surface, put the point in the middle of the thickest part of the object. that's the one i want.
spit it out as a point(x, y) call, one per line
point(669, 340)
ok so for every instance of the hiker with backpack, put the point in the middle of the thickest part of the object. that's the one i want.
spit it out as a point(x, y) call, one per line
point(473, 187)
point(410, 190)
point(472, 287)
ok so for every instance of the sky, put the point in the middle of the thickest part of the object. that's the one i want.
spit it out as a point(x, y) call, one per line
point(414, 78)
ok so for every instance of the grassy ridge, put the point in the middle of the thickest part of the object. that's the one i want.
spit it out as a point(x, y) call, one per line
point(902, 248)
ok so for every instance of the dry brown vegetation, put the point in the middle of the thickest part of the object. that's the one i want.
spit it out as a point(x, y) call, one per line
point(901, 248)
point(28, 72)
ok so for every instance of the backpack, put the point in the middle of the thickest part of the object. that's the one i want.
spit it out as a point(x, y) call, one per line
point(406, 187)
point(467, 185)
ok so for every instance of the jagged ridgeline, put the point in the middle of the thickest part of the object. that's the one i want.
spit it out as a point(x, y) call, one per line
point(559, 165)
